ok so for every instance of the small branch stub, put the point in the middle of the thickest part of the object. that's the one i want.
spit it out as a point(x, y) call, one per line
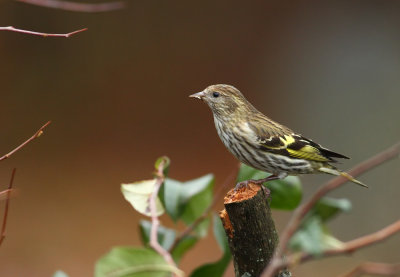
point(250, 230)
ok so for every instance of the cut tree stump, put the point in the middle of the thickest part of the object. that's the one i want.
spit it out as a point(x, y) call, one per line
point(250, 230)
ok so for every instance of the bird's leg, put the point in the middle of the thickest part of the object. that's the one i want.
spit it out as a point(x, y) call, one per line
point(257, 182)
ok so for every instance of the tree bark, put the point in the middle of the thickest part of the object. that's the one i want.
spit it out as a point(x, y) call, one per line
point(250, 230)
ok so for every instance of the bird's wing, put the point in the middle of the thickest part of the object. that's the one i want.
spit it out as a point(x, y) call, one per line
point(297, 146)
point(279, 139)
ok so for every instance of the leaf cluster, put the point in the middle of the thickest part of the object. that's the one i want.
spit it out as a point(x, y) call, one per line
point(183, 202)
point(188, 202)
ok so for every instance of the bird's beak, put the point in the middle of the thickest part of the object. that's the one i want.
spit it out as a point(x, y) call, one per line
point(198, 95)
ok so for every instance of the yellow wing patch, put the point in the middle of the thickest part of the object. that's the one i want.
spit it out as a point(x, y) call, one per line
point(307, 152)
point(283, 142)
point(287, 140)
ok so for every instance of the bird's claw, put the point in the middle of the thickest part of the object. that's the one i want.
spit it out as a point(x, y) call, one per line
point(245, 184)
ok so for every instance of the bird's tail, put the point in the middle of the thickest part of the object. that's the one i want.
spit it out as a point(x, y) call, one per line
point(337, 172)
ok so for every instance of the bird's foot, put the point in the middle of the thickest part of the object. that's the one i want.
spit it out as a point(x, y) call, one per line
point(245, 184)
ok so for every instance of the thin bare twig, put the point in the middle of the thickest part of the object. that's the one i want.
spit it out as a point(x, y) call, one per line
point(302, 210)
point(374, 269)
point(8, 191)
point(206, 212)
point(3, 226)
point(367, 240)
point(12, 29)
point(154, 218)
point(76, 6)
point(36, 135)
point(361, 242)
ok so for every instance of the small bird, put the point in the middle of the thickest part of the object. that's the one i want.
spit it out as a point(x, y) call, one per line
point(262, 143)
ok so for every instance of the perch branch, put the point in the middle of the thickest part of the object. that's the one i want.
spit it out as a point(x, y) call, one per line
point(3, 226)
point(374, 269)
point(76, 6)
point(302, 210)
point(36, 135)
point(250, 229)
point(154, 218)
point(12, 29)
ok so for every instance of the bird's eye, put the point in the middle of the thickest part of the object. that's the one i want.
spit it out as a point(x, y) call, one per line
point(215, 94)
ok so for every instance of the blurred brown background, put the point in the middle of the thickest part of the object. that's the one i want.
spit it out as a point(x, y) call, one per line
point(118, 98)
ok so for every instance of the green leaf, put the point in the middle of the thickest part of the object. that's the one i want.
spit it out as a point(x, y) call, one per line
point(313, 235)
point(286, 194)
point(165, 236)
point(218, 268)
point(201, 228)
point(195, 208)
point(60, 273)
point(138, 194)
point(188, 199)
point(172, 198)
point(219, 233)
point(327, 207)
point(166, 163)
point(314, 238)
point(133, 262)
point(200, 195)
point(182, 247)
point(309, 237)
point(331, 242)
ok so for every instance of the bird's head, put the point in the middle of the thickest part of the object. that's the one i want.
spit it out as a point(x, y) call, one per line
point(224, 100)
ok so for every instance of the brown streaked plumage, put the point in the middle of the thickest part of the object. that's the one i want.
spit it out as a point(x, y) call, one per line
point(262, 143)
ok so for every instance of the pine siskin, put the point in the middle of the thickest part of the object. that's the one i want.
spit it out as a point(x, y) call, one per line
point(262, 143)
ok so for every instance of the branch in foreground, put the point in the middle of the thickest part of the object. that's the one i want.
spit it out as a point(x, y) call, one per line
point(374, 269)
point(12, 29)
point(154, 218)
point(301, 211)
point(3, 226)
point(76, 6)
point(36, 135)
point(347, 247)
